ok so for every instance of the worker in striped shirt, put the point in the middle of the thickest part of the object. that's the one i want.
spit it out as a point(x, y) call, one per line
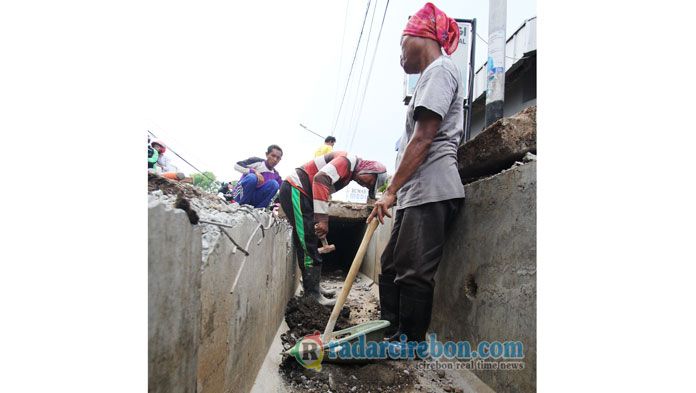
point(304, 197)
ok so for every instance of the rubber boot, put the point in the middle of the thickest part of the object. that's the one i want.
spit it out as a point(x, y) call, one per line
point(310, 280)
point(389, 303)
point(415, 309)
point(327, 292)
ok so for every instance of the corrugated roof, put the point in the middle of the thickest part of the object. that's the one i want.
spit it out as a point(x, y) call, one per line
point(522, 41)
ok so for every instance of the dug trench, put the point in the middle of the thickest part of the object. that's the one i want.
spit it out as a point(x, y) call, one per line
point(305, 316)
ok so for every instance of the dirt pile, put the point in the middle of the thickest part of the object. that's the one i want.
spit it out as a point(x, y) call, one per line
point(305, 316)
point(189, 191)
point(384, 377)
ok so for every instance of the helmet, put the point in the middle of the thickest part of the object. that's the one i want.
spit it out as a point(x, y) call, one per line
point(159, 142)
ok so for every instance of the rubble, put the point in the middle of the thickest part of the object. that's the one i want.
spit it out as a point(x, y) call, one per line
point(497, 147)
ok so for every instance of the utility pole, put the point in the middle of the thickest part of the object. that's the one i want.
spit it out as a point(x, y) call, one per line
point(495, 88)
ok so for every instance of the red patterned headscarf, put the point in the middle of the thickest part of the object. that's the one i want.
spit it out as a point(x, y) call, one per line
point(431, 22)
point(367, 166)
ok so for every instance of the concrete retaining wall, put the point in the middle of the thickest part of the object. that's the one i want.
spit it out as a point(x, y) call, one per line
point(237, 329)
point(492, 247)
point(201, 337)
point(174, 306)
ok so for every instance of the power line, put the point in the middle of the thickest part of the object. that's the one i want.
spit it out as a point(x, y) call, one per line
point(340, 61)
point(351, 66)
point(182, 158)
point(369, 73)
point(362, 67)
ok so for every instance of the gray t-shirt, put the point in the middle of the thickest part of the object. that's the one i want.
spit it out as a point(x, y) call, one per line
point(439, 89)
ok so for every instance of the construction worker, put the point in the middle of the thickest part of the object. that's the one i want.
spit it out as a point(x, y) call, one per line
point(327, 147)
point(260, 181)
point(152, 156)
point(426, 183)
point(163, 161)
point(164, 165)
point(304, 198)
point(225, 191)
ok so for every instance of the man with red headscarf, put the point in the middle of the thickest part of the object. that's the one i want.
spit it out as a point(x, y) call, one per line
point(426, 181)
point(304, 197)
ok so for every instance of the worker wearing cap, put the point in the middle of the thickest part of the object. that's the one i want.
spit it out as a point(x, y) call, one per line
point(164, 165)
point(163, 161)
point(426, 184)
point(304, 197)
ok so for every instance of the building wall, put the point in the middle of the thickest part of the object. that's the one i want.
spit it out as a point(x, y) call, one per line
point(492, 247)
point(520, 52)
point(520, 93)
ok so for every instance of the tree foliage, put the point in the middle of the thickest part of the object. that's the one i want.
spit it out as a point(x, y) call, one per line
point(385, 185)
point(206, 183)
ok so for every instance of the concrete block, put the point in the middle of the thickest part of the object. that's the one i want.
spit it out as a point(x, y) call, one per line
point(486, 283)
point(174, 308)
point(358, 211)
point(498, 146)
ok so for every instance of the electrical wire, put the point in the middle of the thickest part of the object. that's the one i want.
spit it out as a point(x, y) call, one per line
point(362, 67)
point(351, 67)
point(183, 159)
point(369, 73)
point(340, 58)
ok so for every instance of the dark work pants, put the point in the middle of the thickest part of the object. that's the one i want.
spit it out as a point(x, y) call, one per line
point(299, 209)
point(415, 246)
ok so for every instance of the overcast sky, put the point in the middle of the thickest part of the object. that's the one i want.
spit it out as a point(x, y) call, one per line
point(224, 82)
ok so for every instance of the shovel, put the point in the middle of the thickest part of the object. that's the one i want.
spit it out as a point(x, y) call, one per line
point(355, 332)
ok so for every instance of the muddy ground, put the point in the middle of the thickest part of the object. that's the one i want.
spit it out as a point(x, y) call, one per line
point(303, 316)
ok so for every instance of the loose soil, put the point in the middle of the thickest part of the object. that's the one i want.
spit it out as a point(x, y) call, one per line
point(305, 315)
point(175, 187)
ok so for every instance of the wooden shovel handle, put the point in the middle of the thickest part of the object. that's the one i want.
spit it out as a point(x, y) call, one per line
point(354, 268)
